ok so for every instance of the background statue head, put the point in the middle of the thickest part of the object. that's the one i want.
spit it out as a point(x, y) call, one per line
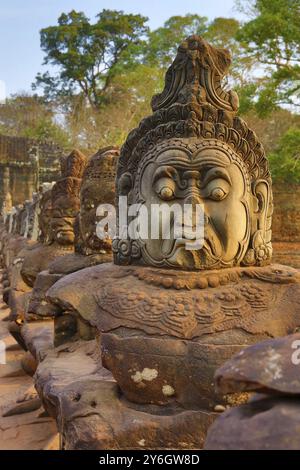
point(33, 210)
point(97, 187)
point(194, 150)
point(44, 216)
point(25, 218)
point(19, 219)
point(65, 198)
point(73, 165)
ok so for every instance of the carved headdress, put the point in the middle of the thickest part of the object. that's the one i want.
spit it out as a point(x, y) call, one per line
point(72, 168)
point(193, 104)
point(45, 213)
point(97, 187)
point(73, 164)
point(102, 165)
point(65, 198)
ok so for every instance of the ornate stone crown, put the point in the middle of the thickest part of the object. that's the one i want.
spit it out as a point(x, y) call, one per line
point(102, 165)
point(73, 164)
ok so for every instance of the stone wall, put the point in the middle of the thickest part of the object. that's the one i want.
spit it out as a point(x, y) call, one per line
point(29, 162)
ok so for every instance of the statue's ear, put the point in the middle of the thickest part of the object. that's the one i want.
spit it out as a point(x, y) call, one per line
point(125, 184)
point(262, 194)
point(260, 249)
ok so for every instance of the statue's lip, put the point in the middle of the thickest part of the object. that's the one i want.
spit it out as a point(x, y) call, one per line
point(184, 240)
point(65, 230)
point(190, 235)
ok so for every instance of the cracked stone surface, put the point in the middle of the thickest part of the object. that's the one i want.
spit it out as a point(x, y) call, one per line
point(91, 414)
point(271, 418)
point(26, 431)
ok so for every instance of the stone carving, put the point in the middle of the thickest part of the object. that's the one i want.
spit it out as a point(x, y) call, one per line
point(185, 324)
point(32, 218)
point(44, 215)
point(6, 195)
point(57, 211)
point(170, 316)
point(194, 150)
point(19, 249)
point(65, 199)
point(98, 186)
point(57, 217)
point(165, 318)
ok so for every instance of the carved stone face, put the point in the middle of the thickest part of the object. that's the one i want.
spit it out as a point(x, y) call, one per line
point(63, 217)
point(90, 198)
point(45, 219)
point(207, 173)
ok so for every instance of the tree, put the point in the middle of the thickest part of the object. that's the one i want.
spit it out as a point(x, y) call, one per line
point(285, 160)
point(272, 39)
point(128, 101)
point(270, 130)
point(221, 32)
point(87, 56)
point(163, 42)
point(30, 116)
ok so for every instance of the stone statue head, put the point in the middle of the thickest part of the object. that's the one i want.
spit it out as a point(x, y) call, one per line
point(6, 221)
point(97, 187)
point(65, 198)
point(7, 204)
point(19, 219)
point(194, 150)
point(33, 209)
point(25, 218)
point(12, 219)
point(73, 164)
point(44, 217)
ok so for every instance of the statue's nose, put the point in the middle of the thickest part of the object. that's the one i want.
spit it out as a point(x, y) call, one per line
point(193, 198)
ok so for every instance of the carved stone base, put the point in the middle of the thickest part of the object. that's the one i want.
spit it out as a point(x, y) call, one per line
point(38, 337)
point(85, 401)
point(101, 420)
point(39, 307)
point(165, 332)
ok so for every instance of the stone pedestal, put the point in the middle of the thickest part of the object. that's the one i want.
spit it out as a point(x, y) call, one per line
point(91, 414)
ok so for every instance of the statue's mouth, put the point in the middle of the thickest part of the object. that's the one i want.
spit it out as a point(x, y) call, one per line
point(198, 253)
point(65, 235)
point(64, 231)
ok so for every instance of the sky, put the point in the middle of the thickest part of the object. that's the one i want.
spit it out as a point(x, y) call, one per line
point(21, 20)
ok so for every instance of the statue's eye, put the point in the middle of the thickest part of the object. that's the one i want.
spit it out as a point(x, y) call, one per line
point(217, 194)
point(89, 206)
point(166, 193)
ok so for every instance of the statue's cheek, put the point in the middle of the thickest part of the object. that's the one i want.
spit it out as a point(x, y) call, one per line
point(229, 220)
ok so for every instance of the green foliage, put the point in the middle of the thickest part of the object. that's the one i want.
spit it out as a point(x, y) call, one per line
point(246, 93)
point(127, 103)
point(162, 43)
point(285, 160)
point(221, 32)
point(108, 70)
point(30, 116)
point(272, 39)
point(87, 54)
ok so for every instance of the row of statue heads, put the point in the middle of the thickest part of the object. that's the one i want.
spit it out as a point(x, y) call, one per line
point(192, 149)
point(64, 212)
